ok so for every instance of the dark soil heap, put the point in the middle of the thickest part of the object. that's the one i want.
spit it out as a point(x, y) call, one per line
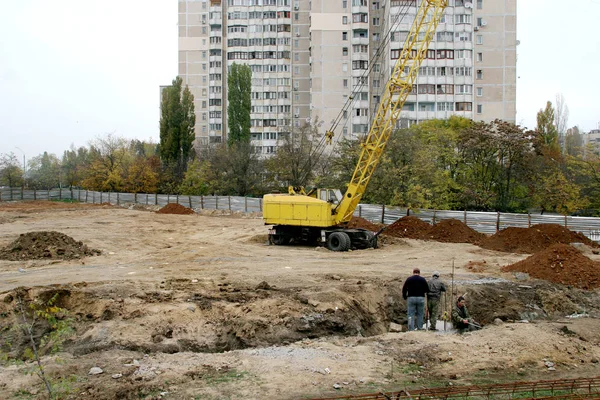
point(455, 231)
point(175, 208)
point(534, 239)
point(359, 222)
point(409, 227)
point(46, 245)
point(561, 263)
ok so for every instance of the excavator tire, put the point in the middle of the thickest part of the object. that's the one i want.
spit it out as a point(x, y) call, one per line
point(338, 241)
point(279, 240)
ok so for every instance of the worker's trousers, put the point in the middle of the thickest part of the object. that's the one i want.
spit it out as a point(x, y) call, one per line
point(433, 308)
point(416, 311)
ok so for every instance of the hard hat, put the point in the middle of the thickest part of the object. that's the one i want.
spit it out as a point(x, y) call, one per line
point(436, 273)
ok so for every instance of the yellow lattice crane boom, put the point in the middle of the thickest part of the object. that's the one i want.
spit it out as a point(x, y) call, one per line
point(317, 216)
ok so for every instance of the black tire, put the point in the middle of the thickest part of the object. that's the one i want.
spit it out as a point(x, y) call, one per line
point(279, 240)
point(374, 243)
point(338, 241)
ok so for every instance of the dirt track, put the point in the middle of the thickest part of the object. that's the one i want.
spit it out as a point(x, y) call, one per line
point(208, 310)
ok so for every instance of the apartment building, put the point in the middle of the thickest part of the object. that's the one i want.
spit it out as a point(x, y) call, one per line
point(329, 60)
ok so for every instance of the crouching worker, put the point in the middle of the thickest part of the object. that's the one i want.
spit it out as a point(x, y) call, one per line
point(461, 319)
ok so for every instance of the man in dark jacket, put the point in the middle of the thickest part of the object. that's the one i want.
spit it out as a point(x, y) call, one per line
point(436, 287)
point(414, 290)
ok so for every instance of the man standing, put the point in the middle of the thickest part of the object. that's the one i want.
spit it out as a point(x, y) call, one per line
point(461, 319)
point(414, 290)
point(436, 287)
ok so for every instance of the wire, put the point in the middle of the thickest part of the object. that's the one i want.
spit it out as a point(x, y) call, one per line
point(318, 150)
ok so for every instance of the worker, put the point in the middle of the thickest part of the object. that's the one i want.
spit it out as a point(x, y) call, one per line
point(414, 291)
point(461, 319)
point(436, 287)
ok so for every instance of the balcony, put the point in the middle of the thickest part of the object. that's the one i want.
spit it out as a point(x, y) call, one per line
point(360, 40)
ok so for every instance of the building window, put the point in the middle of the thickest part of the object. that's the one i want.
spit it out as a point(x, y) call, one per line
point(296, 16)
point(479, 4)
point(345, 20)
point(345, 83)
point(296, 56)
point(464, 106)
point(479, 57)
point(479, 74)
point(462, 19)
point(375, 21)
point(344, 51)
point(344, 3)
point(296, 70)
point(344, 35)
point(345, 67)
point(479, 108)
point(479, 39)
point(479, 91)
point(479, 21)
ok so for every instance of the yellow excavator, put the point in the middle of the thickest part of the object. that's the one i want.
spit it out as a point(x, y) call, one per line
point(321, 215)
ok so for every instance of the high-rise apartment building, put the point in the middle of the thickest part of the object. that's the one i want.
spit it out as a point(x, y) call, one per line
point(329, 60)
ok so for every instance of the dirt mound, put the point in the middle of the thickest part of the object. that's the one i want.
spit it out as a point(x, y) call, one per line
point(359, 222)
point(454, 231)
point(533, 239)
point(45, 245)
point(561, 263)
point(175, 208)
point(409, 227)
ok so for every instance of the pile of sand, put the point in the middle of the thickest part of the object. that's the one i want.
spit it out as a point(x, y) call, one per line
point(175, 208)
point(49, 245)
point(561, 263)
point(534, 239)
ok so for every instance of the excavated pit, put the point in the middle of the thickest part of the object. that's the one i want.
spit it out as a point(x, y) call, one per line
point(184, 316)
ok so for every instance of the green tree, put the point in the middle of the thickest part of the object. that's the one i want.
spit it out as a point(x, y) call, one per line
point(109, 159)
point(200, 179)
point(574, 142)
point(177, 123)
point(235, 169)
point(44, 172)
point(546, 133)
point(239, 85)
point(74, 165)
point(11, 173)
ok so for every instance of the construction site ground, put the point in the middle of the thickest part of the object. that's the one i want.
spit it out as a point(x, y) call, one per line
point(199, 306)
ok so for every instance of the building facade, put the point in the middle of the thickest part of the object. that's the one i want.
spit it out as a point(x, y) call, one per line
point(328, 61)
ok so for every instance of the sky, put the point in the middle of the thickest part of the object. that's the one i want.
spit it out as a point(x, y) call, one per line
point(75, 70)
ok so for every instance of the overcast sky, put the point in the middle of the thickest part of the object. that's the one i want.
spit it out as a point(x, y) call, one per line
point(73, 70)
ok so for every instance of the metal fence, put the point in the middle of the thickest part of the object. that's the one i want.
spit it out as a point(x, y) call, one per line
point(486, 222)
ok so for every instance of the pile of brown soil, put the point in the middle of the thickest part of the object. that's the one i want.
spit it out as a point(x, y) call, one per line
point(561, 263)
point(409, 227)
point(40, 245)
point(359, 222)
point(534, 239)
point(455, 231)
point(175, 208)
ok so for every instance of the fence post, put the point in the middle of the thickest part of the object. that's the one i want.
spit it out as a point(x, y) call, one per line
point(71, 194)
point(433, 220)
point(359, 211)
point(109, 197)
point(135, 198)
point(566, 222)
point(22, 189)
point(155, 199)
point(216, 202)
point(168, 198)
point(245, 204)
point(465, 217)
point(86, 196)
point(382, 213)
point(260, 204)
point(177, 198)
point(94, 197)
point(229, 202)
point(201, 202)
point(528, 220)
point(408, 212)
point(100, 197)
point(498, 221)
point(35, 194)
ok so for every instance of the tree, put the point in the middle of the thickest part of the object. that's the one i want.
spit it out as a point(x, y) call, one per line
point(545, 132)
point(143, 175)
point(11, 174)
point(177, 125)
point(561, 118)
point(573, 142)
point(44, 172)
point(296, 158)
point(74, 165)
point(200, 179)
point(235, 169)
point(108, 163)
point(239, 84)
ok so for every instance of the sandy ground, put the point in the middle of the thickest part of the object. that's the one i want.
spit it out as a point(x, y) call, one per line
point(199, 306)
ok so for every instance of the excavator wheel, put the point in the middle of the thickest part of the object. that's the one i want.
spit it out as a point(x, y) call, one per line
point(279, 240)
point(338, 241)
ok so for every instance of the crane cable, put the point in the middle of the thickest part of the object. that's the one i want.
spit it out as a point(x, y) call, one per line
point(319, 149)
